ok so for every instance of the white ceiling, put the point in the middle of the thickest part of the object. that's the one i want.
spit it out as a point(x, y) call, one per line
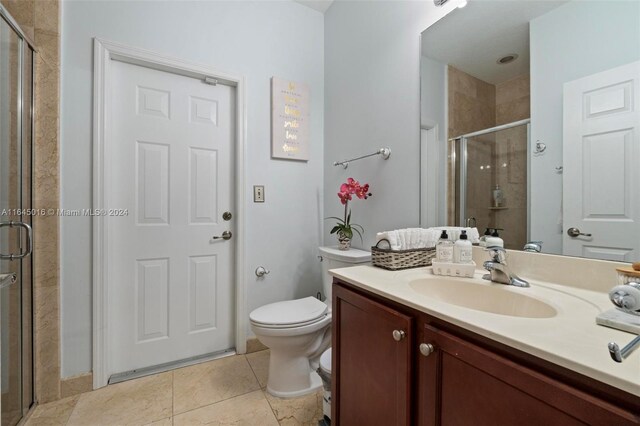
point(319, 5)
point(472, 39)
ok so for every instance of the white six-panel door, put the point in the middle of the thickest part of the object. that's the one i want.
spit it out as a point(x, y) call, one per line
point(170, 287)
point(601, 156)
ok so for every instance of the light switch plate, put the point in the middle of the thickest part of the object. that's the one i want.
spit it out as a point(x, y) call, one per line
point(258, 194)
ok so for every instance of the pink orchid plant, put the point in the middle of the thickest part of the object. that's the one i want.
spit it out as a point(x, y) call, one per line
point(345, 228)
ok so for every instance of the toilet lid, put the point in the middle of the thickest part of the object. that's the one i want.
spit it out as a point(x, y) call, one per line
point(289, 312)
point(325, 361)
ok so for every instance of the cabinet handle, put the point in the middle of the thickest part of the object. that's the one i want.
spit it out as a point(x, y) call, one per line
point(398, 335)
point(427, 349)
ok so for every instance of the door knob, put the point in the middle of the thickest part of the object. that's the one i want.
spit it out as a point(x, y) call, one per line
point(575, 232)
point(427, 349)
point(226, 235)
point(227, 216)
point(398, 335)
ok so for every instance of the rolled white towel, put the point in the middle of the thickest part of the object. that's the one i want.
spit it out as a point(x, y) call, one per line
point(474, 235)
point(402, 238)
point(433, 234)
point(391, 236)
point(414, 238)
point(422, 239)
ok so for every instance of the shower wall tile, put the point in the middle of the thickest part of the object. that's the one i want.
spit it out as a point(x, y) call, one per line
point(516, 88)
point(47, 353)
point(23, 11)
point(512, 100)
point(46, 270)
point(48, 43)
point(46, 15)
point(472, 103)
point(47, 89)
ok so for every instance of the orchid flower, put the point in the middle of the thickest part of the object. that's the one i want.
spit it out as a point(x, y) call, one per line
point(347, 189)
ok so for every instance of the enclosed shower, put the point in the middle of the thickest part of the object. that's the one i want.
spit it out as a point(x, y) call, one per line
point(488, 188)
point(16, 289)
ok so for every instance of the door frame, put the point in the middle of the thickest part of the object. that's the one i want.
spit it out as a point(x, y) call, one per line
point(103, 53)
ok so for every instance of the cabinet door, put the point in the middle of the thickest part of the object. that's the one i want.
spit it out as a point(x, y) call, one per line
point(372, 363)
point(463, 384)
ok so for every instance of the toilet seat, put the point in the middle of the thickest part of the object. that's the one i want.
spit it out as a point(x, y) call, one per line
point(290, 313)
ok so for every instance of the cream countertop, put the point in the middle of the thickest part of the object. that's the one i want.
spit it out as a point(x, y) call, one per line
point(570, 339)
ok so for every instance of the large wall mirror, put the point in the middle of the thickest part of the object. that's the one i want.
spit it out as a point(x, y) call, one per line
point(530, 122)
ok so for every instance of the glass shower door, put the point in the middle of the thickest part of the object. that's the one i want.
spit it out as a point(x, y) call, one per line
point(16, 359)
point(496, 160)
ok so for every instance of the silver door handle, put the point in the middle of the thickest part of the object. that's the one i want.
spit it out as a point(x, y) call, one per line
point(28, 248)
point(575, 232)
point(226, 235)
point(7, 279)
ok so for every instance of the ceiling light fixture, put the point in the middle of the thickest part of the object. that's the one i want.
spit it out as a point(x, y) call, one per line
point(462, 4)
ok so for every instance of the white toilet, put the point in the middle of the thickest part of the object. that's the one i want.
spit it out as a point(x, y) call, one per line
point(298, 331)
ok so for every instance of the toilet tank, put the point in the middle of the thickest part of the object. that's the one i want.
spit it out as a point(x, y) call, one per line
point(333, 258)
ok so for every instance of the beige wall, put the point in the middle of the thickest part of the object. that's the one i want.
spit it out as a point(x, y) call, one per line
point(39, 19)
point(472, 103)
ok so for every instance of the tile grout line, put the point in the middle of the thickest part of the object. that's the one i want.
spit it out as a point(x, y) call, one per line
point(74, 408)
point(270, 406)
point(217, 402)
point(231, 397)
point(263, 390)
point(253, 371)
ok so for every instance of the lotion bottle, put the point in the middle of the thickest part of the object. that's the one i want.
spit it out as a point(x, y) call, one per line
point(483, 239)
point(444, 248)
point(498, 197)
point(494, 240)
point(462, 252)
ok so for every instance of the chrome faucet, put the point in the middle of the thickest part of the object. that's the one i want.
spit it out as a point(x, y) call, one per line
point(498, 271)
point(533, 246)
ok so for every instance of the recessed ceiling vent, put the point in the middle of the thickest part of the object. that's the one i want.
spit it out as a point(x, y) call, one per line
point(439, 2)
point(507, 59)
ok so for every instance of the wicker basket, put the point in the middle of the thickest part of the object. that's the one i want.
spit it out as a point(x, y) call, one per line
point(395, 260)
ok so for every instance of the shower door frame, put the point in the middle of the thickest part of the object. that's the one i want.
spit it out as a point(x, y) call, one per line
point(462, 188)
point(27, 387)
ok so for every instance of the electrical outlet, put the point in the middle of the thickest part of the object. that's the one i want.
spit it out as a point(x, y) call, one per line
point(258, 194)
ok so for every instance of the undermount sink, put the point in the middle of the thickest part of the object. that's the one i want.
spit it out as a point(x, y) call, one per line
point(492, 298)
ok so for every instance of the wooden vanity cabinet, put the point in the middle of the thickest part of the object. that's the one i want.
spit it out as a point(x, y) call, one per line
point(466, 380)
point(372, 366)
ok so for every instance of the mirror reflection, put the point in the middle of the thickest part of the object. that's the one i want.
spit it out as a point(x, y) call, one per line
point(530, 124)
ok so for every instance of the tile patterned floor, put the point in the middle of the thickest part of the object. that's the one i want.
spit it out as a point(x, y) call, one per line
point(227, 391)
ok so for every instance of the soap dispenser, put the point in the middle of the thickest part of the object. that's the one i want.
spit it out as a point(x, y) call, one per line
point(462, 251)
point(444, 248)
